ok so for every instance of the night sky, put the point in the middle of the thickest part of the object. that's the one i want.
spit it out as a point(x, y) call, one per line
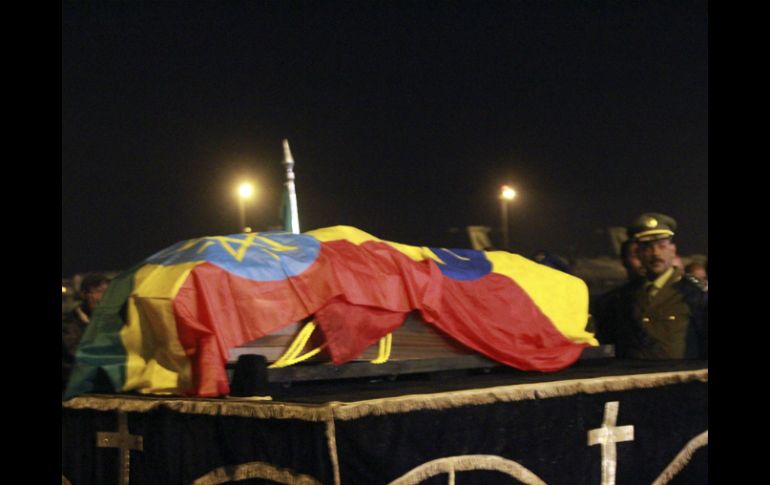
point(404, 118)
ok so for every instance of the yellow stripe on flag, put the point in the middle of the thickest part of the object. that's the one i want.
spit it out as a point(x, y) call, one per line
point(156, 362)
point(568, 312)
point(335, 233)
point(358, 237)
point(563, 298)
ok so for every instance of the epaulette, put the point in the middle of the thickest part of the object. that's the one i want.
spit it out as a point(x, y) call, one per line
point(698, 283)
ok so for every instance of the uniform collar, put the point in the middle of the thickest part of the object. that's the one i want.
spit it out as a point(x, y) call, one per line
point(661, 280)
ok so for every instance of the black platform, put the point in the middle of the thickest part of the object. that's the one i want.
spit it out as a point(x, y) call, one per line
point(486, 426)
point(251, 375)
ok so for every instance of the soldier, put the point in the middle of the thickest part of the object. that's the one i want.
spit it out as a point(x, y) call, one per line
point(664, 314)
point(74, 323)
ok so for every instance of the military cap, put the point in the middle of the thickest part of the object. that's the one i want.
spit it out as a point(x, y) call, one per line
point(651, 226)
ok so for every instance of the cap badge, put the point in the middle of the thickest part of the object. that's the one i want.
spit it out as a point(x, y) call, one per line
point(651, 222)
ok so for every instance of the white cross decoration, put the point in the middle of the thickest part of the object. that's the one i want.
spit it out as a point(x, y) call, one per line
point(607, 436)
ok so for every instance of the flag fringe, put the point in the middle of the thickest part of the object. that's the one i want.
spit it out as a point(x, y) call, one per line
point(382, 406)
point(518, 392)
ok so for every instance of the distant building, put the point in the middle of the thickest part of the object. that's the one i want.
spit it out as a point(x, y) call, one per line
point(479, 237)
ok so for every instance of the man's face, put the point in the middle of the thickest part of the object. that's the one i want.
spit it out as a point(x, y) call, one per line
point(632, 263)
point(94, 295)
point(657, 256)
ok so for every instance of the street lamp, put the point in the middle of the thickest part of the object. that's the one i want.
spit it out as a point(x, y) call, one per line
point(245, 191)
point(507, 194)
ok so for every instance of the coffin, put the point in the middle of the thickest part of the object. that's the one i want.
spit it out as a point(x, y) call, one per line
point(414, 340)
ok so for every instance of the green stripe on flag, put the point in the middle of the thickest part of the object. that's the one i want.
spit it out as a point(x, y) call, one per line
point(101, 347)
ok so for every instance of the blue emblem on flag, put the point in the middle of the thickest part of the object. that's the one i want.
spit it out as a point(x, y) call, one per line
point(258, 256)
point(462, 264)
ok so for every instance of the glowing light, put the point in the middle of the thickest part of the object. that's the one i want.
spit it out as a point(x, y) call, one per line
point(507, 193)
point(245, 190)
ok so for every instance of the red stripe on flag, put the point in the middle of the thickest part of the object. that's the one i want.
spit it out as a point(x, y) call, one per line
point(492, 315)
point(350, 329)
point(496, 317)
point(217, 310)
point(360, 293)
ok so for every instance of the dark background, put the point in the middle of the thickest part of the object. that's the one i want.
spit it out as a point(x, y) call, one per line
point(404, 118)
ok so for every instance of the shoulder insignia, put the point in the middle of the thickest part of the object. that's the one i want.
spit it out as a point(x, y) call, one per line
point(698, 283)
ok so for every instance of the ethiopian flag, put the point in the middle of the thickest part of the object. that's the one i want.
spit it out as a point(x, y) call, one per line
point(166, 325)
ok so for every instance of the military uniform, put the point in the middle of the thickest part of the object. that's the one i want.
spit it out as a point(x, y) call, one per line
point(671, 325)
point(671, 322)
